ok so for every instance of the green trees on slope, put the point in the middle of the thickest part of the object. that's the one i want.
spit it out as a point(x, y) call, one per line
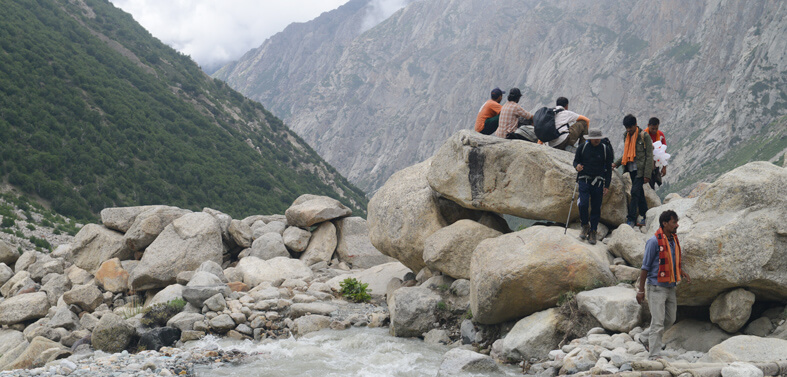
point(88, 124)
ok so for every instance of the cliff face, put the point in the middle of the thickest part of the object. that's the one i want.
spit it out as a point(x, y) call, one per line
point(371, 104)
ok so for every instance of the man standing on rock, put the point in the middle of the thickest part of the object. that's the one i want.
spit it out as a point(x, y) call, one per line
point(662, 269)
point(593, 162)
point(488, 117)
point(510, 114)
point(637, 160)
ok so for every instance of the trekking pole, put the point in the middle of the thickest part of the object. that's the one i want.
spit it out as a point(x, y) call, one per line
point(570, 206)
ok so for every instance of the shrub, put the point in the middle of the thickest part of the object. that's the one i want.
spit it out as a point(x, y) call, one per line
point(354, 290)
point(8, 222)
point(159, 314)
point(31, 227)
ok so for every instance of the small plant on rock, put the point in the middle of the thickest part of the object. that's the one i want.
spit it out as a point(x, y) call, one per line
point(354, 290)
point(442, 306)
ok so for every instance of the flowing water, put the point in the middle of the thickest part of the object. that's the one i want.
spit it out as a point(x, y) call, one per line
point(352, 352)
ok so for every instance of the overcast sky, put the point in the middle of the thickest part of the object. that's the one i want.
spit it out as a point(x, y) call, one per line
point(215, 32)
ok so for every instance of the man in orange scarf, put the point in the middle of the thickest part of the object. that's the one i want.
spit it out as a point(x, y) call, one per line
point(637, 160)
point(662, 270)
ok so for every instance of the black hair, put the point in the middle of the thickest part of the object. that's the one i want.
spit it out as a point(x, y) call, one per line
point(654, 121)
point(513, 97)
point(629, 120)
point(562, 101)
point(666, 216)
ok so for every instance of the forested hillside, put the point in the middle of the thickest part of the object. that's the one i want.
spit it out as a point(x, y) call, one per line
point(95, 112)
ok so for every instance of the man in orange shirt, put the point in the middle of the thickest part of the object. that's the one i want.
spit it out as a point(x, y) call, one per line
point(488, 117)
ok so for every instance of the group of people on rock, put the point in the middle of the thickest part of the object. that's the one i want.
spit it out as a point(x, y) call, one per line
point(593, 158)
point(662, 266)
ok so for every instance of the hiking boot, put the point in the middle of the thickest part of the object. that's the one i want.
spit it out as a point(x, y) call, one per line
point(630, 223)
point(583, 235)
point(592, 237)
point(641, 223)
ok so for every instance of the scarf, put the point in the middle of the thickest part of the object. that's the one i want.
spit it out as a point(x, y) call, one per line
point(666, 274)
point(630, 148)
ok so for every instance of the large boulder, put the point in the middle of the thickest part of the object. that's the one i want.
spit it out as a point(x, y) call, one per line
point(268, 246)
point(308, 210)
point(739, 237)
point(256, 270)
point(8, 254)
point(459, 362)
point(95, 244)
point(23, 308)
point(616, 308)
point(405, 211)
point(628, 244)
point(521, 179)
point(533, 337)
point(412, 311)
point(37, 346)
point(524, 272)
point(182, 246)
point(87, 297)
point(731, 310)
point(112, 277)
point(296, 239)
point(353, 245)
point(693, 335)
point(450, 249)
point(149, 224)
point(376, 277)
point(322, 245)
point(112, 334)
point(240, 233)
point(748, 348)
point(121, 218)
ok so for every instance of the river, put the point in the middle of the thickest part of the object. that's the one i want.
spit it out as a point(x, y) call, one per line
point(353, 352)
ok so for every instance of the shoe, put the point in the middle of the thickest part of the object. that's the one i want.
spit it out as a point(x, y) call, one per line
point(583, 235)
point(592, 237)
point(630, 223)
point(641, 223)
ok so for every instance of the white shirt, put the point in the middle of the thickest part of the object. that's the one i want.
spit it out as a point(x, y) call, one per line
point(561, 118)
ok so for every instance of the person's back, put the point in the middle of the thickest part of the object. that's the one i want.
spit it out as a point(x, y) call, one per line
point(489, 113)
point(571, 126)
point(511, 113)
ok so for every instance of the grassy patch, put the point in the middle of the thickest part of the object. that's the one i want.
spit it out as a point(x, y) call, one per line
point(684, 51)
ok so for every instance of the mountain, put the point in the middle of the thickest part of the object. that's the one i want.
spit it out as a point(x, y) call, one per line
point(713, 72)
point(95, 112)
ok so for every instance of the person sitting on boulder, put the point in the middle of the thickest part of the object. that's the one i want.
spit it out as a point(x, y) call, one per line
point(488, 116)
point(510, 114)
point(593, 162)
point(569, 124)
point(656, 135)
point(637, 160)
point(662, 269)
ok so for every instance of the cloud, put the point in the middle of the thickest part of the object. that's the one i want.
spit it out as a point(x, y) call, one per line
point(214, 32)
point(379, 10)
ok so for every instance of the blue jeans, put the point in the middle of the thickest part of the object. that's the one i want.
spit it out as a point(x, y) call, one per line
point(590, 197)
point(637, 199)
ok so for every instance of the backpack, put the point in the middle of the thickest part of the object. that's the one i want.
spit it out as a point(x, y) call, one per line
point(544, 124)
point(607, 146)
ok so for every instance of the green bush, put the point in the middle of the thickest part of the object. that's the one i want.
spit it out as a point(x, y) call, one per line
point(354, 290)
point(31, 227)
point(159, 314)
point(40, 242)
point(8, 222)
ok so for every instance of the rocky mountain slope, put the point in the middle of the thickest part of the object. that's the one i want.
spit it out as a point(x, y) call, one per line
point(95, 112)
point(373, 103)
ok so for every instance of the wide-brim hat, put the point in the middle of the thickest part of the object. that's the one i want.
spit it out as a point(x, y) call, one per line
point(594, 134)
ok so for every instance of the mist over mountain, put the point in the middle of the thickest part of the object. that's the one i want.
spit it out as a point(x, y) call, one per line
point(374, 102)
point(95, 113)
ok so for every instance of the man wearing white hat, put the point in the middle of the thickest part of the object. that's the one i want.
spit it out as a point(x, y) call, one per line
point(593, 162)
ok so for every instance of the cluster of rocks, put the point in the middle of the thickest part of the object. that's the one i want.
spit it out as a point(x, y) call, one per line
point(440, 218)
point(157, 276)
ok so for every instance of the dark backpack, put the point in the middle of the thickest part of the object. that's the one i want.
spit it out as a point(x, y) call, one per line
point(544, 124)
point(607, 148)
